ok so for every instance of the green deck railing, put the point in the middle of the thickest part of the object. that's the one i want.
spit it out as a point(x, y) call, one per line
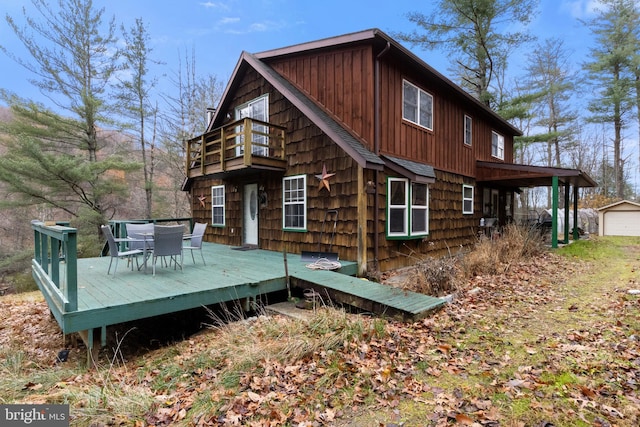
point(54, 265)
point(55, 260)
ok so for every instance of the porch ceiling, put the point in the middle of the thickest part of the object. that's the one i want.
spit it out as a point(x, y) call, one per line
point(514, 175)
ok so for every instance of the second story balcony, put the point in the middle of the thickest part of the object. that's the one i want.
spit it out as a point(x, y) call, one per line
point(241, 146)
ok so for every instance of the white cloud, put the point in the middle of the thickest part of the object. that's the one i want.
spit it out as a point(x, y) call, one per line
point(258, 27)
point(214, 5)
point(228, 20)
point(255, 27)
point(581, 9)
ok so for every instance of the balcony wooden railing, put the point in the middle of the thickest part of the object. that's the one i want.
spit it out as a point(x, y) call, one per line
point(244, 143)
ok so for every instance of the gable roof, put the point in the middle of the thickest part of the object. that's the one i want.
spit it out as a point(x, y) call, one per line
point(620, 203)
point(380, 39)
point(345, 140)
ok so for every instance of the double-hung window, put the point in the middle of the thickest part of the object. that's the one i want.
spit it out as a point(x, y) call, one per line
point(468, 123)
point(467, 199)
point(497, 145)
point(294, 203)
point(417, 105)
point(407, 209)
point(217, 206)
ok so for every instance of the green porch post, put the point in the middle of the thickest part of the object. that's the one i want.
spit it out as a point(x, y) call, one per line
point(566, 213)
point(576, 235)
point(554, 212)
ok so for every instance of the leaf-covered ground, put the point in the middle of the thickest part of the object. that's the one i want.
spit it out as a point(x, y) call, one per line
point(554, 341)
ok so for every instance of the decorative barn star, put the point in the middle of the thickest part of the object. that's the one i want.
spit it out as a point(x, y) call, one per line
point(202, 199)
point(324, 178)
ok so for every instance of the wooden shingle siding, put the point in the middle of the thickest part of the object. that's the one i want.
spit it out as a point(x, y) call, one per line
point(307, 151)
point(449, 229)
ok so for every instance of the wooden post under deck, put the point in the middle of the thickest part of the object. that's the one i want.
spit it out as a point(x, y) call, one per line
point(93, 348)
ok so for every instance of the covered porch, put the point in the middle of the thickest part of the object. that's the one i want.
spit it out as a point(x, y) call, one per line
point(515, 176)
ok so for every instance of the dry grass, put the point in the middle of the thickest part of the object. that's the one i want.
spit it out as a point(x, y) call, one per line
point(552, 340)
point(434, 276)
point(496, 255)
point(443, 276)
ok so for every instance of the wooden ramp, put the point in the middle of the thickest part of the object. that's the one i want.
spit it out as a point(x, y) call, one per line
point(366, 295)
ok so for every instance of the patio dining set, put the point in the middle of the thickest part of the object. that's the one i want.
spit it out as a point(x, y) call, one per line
point(166, 243)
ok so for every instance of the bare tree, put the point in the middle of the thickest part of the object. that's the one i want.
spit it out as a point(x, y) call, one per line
point(185, 117)
point(134, 93)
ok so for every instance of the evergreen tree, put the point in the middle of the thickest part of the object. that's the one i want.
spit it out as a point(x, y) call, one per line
point(474, 34)
point(549, 73)
point(53, 153)
point(611, 70)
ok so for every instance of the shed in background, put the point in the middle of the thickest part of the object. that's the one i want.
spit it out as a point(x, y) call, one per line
point(619, 219)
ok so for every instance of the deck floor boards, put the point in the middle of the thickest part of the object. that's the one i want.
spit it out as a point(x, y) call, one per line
point(228, 275)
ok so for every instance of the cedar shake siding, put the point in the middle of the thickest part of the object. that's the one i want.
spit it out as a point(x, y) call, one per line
point(340, 101)
point(307, 151)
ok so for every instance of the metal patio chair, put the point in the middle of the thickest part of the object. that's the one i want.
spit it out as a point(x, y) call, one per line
point(116, 253)
point(167, 242)
point(196, 240)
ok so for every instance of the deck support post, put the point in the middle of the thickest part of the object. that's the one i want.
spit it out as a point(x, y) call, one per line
point(92, 347)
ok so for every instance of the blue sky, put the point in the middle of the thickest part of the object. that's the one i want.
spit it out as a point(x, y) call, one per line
point(217, 31)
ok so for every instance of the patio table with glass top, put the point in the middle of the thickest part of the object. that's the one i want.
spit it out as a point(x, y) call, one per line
point(145, 239)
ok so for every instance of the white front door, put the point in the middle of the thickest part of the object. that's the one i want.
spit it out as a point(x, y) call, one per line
point(250, 234)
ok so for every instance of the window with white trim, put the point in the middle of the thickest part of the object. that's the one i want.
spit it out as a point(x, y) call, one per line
point(497, 145)
point(217, 206)
point(256, 109)
point(407, 208)
point(467, 199)
point(417, 105)
point(468, 123)
point(419, 209)
point(294, 202)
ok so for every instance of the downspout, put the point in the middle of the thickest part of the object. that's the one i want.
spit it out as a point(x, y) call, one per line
point(376, 149)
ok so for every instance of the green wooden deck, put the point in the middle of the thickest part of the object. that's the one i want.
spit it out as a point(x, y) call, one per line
point(229, 275)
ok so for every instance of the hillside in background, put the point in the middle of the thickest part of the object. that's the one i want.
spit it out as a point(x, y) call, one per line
point(169, 200)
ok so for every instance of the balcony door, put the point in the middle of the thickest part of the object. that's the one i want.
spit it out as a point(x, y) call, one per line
point(256, 109)
point(250, 215)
